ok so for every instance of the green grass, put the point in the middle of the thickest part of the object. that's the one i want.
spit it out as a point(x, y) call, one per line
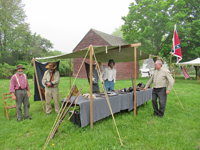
point(178, 129)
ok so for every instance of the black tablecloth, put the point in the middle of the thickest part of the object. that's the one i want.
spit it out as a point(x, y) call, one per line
point(118, 103)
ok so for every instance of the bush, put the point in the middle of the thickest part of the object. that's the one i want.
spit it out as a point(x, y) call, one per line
point(64, 68)
point(6, 71)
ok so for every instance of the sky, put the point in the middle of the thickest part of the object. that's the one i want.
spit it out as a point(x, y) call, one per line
point(66, 22)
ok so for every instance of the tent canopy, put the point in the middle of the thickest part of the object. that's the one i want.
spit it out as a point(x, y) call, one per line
point(195, 62)
point(124, 53)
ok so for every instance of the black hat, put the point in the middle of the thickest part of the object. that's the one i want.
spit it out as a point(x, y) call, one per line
point(111, 60)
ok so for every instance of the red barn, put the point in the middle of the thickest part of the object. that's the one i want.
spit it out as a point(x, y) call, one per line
point(97, 38)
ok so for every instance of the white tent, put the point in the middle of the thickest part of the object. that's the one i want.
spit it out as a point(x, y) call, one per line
point(195, 62)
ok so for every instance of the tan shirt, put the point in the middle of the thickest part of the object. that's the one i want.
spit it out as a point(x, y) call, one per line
point(160, 79)
point(55, 79)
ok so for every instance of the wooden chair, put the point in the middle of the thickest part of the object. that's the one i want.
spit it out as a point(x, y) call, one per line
point(7, 98)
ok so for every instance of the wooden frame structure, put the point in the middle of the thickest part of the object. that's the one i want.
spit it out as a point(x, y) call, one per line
point(135, 74)
point(113, 49)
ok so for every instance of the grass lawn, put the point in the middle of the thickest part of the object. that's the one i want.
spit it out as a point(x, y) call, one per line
point(178, 129)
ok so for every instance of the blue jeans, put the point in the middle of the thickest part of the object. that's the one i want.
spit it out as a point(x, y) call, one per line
point(109, 85)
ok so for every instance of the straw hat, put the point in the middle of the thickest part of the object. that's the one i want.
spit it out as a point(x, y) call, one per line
point(51, 65)
point(19, 67)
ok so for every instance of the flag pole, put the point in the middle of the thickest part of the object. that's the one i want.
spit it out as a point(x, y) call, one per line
point(38, 85)
point(170, 62)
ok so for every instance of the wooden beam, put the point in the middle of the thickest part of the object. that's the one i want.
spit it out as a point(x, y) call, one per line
point(127, 46)
point(33, 60)
point(91, 76)
point(135, 75)
point(69, 73)
point(135, 45)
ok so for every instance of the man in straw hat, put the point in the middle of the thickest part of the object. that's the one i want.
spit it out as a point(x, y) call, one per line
point(160, 79)
point(51, 80)
point(19, 87)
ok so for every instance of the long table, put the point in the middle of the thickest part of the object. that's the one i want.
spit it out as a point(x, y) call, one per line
point(118, 103)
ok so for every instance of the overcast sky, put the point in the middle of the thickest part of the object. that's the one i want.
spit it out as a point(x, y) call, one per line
point(66, 22)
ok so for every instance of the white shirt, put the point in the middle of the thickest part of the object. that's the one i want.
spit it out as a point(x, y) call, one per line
point(109, 74)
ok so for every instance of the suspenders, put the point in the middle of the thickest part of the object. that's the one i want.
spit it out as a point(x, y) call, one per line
point(18, 80)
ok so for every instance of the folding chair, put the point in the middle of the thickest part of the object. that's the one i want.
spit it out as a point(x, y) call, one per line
point(7, 98)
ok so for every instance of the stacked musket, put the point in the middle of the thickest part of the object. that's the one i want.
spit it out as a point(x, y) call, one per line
point(66, 112)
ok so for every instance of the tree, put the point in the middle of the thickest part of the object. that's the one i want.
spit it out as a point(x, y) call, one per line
point(186, 13)
point(151, 22)
point(118, 32)
point(148, 22)
point(11, 15)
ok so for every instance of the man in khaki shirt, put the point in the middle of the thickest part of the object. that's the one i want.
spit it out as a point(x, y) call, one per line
point(160, 79)
point(51, 80)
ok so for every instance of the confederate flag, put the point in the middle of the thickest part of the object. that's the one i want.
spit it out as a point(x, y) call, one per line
point(176, 47)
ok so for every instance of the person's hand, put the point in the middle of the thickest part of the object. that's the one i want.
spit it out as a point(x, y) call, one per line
point(167, 92)
point(29, 94)
point(48, 84)
point(144, 89)
point(102, 82)
point(14, 97)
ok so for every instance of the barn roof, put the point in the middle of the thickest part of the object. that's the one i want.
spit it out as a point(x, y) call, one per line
point(111, 39)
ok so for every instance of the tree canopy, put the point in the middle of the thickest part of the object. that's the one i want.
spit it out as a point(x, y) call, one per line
point(151, 22)
point(17, 44)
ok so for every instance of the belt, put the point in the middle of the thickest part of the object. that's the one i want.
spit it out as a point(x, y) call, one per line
point(110, 81)
point(20, 89)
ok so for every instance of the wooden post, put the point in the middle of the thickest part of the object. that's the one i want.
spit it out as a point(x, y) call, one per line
point(135, 75)
point(33, 60)
point(69, 73)
point(91, 76)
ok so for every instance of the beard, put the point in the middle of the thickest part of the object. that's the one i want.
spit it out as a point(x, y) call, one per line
point(20, 72)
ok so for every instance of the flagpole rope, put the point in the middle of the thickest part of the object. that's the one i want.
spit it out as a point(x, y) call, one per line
point(60, 114)
point(103, 88)
point(178, 98)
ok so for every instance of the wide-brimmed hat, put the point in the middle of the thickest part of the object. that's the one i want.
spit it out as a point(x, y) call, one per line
point(51, 65)
point(111, 60)
point(19, 67)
